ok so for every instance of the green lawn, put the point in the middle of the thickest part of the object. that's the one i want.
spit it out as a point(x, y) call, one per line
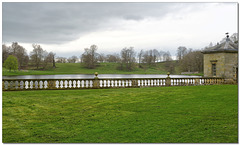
point(187, 114)
point(77, 68)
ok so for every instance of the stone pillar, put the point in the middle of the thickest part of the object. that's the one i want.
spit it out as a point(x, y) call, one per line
point(96, 84)
point(168, 80)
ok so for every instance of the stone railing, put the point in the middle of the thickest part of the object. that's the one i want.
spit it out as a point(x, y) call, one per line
point(97, 83)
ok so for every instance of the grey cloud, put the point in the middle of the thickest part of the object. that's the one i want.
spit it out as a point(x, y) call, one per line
point(62, 22)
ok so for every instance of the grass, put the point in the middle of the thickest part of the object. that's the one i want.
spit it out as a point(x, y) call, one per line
point(77, 68)
point(193, 114)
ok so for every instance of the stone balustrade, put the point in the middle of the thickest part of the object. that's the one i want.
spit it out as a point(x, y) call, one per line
point(97, 83)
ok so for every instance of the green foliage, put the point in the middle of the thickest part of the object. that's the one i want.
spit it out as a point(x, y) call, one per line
point(11, 63)
point(187, 114)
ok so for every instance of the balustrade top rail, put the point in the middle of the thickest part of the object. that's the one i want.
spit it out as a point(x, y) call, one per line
point(96, 83)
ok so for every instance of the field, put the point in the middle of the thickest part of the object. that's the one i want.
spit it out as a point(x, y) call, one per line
point(104, 68)
point(187, 114)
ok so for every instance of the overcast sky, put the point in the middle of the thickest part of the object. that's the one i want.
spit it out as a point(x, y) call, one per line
point(68, 28)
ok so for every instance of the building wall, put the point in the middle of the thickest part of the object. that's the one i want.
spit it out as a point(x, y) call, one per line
point(225, 62)
point(231, 62)
point(220, 61)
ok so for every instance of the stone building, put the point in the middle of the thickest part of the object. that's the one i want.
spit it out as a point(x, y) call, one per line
point(221, 60)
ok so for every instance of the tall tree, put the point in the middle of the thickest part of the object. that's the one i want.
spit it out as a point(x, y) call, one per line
point(21, 54)
point(181, 52)
point(37, 55)
point(51, 56)
point(140, 55)
point(101, 57)
point(127, 59)
point(167, 56)
point(155, 55)
point(5, 52)
point(192, 61)
point(89, 57)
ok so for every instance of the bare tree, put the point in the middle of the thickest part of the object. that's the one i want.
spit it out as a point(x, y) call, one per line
point(148, 57)
point(192, 61)
point(167, 56)
point(5, 52)
point(72, 59)
point(181, 52)
point(127, 59)
point(140, 55)
point(89, 57)
point(101, 57)
point(37, 55)
point(46, 59)
point(113, 58)
point(161, 53)
point(20, 53)
point(155, 55)
point(51, 58)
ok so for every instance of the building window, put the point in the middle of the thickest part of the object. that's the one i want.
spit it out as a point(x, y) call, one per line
point(214, 69)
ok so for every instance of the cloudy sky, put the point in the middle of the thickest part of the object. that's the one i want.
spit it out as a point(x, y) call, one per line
point(68, 28)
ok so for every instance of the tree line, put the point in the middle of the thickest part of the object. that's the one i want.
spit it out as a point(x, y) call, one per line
point(38, 57)
point(128, 59)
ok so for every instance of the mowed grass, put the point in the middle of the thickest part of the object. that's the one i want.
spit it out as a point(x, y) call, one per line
point(187, 114)
point(77, 68)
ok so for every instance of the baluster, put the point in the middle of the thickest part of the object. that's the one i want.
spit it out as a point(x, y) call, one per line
point(57, 84)
point(91, 83)
point(36, 84)
point(45, 84)
point(74, 83)
point(16, 85)
point(69, 84)
point(11, 85)
point(83, 83)
point(31, 84)
point(119, 83)
point(105, 83)
point(87, 83)
point(21, 85)
point(26, 84)
point(78, 84)
point(6, 85)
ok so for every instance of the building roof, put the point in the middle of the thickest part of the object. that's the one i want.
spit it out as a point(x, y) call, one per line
point(227, 46)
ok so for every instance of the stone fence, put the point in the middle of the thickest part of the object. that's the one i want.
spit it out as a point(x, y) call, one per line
point(97, 83)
